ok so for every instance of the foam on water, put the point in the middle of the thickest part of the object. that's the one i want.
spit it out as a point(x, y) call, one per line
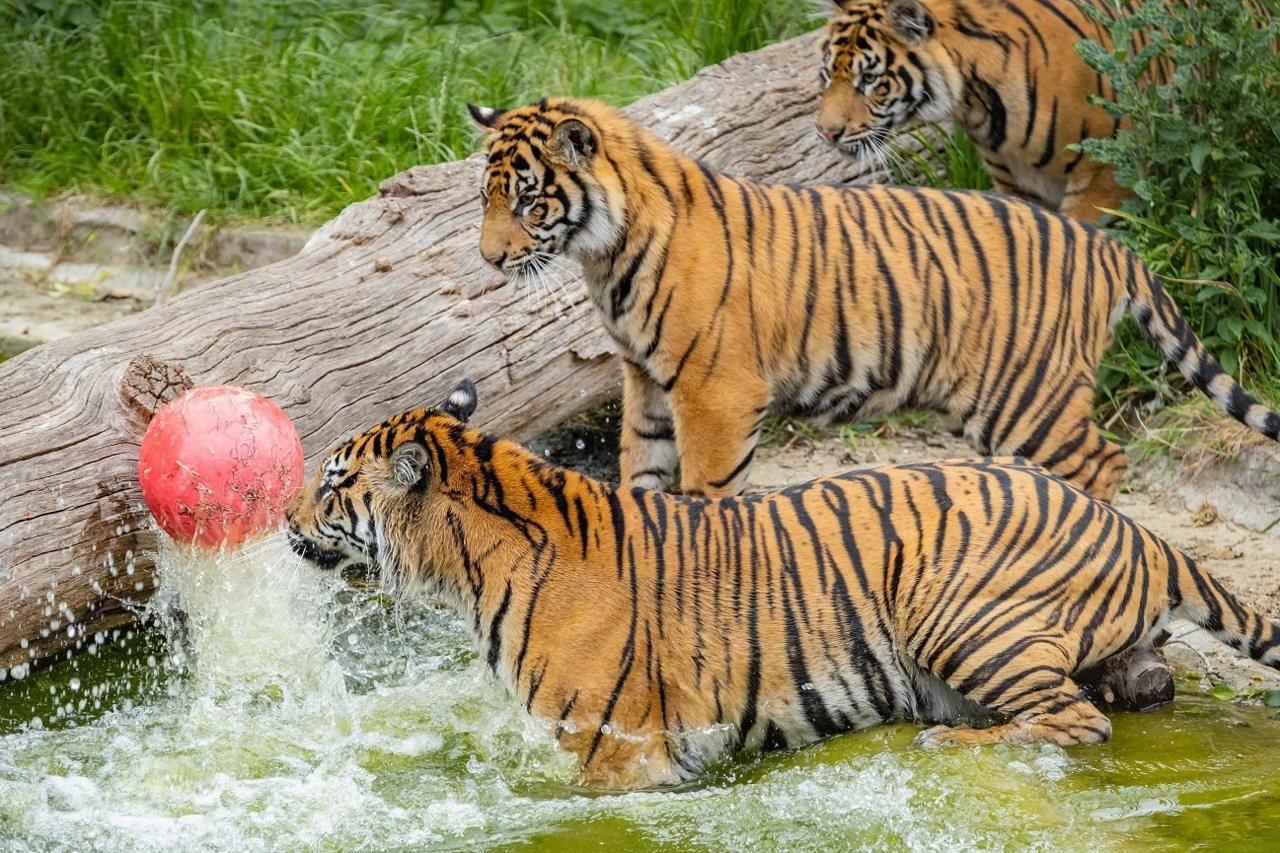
point(261, 739)
point(294, 712)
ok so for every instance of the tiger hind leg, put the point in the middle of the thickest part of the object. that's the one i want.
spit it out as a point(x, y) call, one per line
point(1054, 712)
point(1088, 460)
point(1091, 191)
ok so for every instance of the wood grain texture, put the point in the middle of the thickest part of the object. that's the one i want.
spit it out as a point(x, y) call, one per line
point(385, 307)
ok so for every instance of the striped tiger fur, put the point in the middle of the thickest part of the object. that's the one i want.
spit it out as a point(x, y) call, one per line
point(1006, 71)
point(729, 299)
point(659, 633)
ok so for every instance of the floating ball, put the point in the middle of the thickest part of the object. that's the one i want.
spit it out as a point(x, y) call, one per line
point(219, 465)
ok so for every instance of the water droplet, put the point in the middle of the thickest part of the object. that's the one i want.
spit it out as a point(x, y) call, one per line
point(74, 684)
point(580, 444)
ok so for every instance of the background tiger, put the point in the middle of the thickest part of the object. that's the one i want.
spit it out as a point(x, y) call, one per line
point(1007, 72)
point(729, 299)
point(660, 633)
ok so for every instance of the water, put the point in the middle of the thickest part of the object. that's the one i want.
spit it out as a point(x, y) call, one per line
point(290, 710)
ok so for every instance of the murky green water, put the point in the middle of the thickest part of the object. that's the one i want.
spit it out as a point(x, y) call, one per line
point(290, 711)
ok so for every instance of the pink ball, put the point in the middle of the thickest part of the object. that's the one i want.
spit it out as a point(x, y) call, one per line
point(219, 465)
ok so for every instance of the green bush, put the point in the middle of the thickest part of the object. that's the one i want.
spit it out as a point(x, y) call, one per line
point(1202, 156)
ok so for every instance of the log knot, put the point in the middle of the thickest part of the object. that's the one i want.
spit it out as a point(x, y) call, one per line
point(148, 384)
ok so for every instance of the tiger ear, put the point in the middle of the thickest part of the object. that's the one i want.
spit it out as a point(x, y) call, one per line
point(572, 143)
point(409, 464)
point(911, 20)
point(462, 401)
point(484, 117)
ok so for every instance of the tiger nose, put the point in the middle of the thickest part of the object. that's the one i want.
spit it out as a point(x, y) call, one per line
point(495, 259)
point(830, 132)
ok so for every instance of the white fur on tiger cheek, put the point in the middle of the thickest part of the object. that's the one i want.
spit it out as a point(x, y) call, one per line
point(943, 98)
point(603, 230)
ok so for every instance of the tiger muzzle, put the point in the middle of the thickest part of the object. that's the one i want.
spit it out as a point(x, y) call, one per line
point(311, 552)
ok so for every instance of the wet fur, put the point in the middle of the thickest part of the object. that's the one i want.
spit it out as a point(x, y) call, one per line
point(658, 633)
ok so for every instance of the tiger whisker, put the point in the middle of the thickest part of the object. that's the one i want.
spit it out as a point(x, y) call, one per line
point(532, 272)
point(557, 272)
point(540, 267)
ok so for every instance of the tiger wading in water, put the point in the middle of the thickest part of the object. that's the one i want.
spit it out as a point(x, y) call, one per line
point(1007, 72)
point(658, 633)
point(730, 299)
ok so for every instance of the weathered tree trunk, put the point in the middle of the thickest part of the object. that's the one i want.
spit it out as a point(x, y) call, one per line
point(385, 307)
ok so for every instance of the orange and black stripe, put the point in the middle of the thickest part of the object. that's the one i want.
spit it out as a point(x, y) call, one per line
point(729, 299)
point(658, 633)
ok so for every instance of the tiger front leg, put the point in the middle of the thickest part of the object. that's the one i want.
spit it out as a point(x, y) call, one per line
point(1055, 713)
point(1031, 688)
point(716, 435)
point(648, 439)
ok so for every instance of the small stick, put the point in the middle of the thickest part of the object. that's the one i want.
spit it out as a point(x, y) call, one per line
point(172, 274)
point(1209, 670)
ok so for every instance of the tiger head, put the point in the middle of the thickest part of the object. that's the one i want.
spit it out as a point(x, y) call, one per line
point(547, 189)
point(884, 70)
point(371, 490)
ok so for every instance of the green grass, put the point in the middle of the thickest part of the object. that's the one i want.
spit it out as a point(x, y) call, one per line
point(290, 109)
point(944, 160)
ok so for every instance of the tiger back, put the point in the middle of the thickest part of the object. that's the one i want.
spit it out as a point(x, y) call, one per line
point(657, 634)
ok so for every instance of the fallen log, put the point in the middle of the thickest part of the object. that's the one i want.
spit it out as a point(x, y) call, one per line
point(385, 307)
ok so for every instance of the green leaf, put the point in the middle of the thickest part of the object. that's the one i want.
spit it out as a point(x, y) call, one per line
point(1263, 229)
point(1224, 692)
point(1198, 152)
point(1230, 328)
point(1255, 327)
point(1229, 361)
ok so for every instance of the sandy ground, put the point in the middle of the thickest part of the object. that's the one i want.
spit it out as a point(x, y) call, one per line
point(1245, 560)
point(34, 309)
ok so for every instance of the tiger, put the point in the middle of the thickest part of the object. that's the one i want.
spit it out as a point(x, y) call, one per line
point(1006, 72)
point(729, 300)
point(659, 635)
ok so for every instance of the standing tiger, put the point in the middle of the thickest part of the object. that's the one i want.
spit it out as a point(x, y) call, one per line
point(729, 299)
point(660, 633)
point(1005, 71)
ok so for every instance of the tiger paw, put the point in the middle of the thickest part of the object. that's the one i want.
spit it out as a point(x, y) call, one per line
point(938, 737)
